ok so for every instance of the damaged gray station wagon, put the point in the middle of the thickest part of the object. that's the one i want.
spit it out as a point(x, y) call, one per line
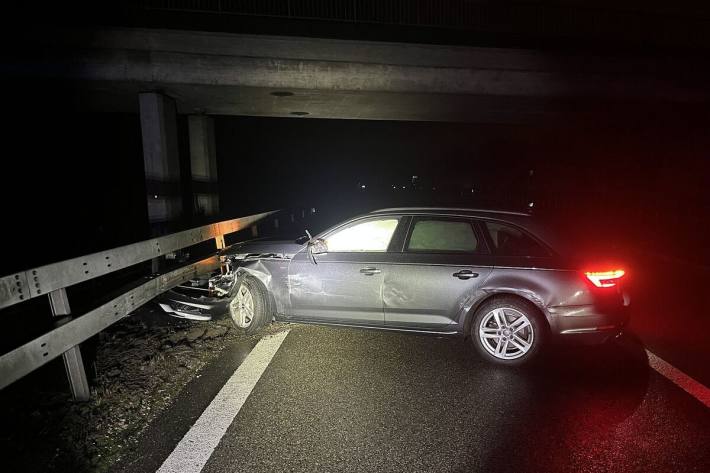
point(499, 278)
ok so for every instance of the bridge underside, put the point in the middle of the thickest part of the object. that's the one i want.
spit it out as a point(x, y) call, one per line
point(229, 74)
point(367, 105)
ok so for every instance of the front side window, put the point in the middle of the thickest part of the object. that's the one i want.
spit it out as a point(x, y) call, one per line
point(372, 235)
point(509, 241)
point(443, 236)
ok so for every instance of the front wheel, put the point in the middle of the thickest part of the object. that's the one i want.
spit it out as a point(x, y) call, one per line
point(249, 308)
point(507, 331)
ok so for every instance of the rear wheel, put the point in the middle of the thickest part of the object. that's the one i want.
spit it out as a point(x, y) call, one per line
point(507, 331)
point(249, 308)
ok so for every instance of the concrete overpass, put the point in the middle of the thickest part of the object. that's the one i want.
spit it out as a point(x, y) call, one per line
point(233, 74)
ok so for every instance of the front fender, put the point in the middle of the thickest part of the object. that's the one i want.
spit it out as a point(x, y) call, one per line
point(273, 274)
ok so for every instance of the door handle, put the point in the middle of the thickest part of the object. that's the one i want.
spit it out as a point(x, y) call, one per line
point(370, 271)
point(465, 274)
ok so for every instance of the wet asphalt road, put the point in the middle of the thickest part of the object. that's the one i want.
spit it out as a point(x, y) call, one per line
point(350, 400)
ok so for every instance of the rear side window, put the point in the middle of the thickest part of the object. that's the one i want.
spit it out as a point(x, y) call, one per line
point(443, 236)
point(509, 241)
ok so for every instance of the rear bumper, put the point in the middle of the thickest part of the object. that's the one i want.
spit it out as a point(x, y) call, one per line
point(588, 324)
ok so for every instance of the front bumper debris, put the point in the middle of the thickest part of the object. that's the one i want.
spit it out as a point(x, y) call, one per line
point(186, 307)
point(205, 298)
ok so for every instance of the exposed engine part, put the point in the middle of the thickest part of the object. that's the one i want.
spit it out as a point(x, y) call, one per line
point(200, 298)
point(221, 284)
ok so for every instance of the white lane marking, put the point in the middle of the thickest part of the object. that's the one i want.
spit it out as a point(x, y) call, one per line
point(695, 388)
point(196, 447)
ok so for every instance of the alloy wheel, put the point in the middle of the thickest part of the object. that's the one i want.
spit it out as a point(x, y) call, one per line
point(242, 307)
point(506, 333)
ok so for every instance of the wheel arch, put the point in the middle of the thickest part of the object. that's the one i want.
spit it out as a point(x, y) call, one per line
point(263, 279)
point(522, 296)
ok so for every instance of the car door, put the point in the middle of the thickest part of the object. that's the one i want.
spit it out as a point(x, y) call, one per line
point(442, 262)
point(344, 284)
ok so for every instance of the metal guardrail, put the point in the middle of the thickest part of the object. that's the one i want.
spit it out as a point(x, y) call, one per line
point(42, 280)
point(53, 279)
point(30, 356)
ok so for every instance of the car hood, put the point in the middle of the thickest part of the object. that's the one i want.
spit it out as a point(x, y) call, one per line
point(282, 248)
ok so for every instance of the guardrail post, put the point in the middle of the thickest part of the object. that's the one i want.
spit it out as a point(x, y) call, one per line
point(59, 302)
point(219, 240)
point(254, 231)
point(276, 223)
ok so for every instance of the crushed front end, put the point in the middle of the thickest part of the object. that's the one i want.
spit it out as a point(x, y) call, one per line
point(208, 296)
point(202, 298)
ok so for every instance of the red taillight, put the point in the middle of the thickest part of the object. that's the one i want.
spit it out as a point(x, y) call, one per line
point(605, 278)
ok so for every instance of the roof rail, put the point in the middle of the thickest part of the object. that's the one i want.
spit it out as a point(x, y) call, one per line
point(454, 209)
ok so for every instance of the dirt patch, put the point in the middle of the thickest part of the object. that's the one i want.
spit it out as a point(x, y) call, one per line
point(142, 363)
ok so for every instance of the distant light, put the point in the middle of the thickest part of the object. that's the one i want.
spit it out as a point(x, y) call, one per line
point(394, 187)
point(404, 187)
point(531, 204)
point(155, 196)
point(363, 186)
point(282, 93)
point(313, 210)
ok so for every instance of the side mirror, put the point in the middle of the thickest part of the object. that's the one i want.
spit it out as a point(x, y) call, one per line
point(317, 246)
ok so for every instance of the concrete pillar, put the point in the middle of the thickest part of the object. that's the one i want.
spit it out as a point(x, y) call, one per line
point(203, 165)
point(160, 159)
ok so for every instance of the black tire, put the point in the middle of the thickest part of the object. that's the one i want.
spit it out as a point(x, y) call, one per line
point(512, 306)
point(262, 307)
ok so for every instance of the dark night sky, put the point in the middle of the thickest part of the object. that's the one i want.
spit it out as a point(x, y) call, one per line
point(321, 160)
